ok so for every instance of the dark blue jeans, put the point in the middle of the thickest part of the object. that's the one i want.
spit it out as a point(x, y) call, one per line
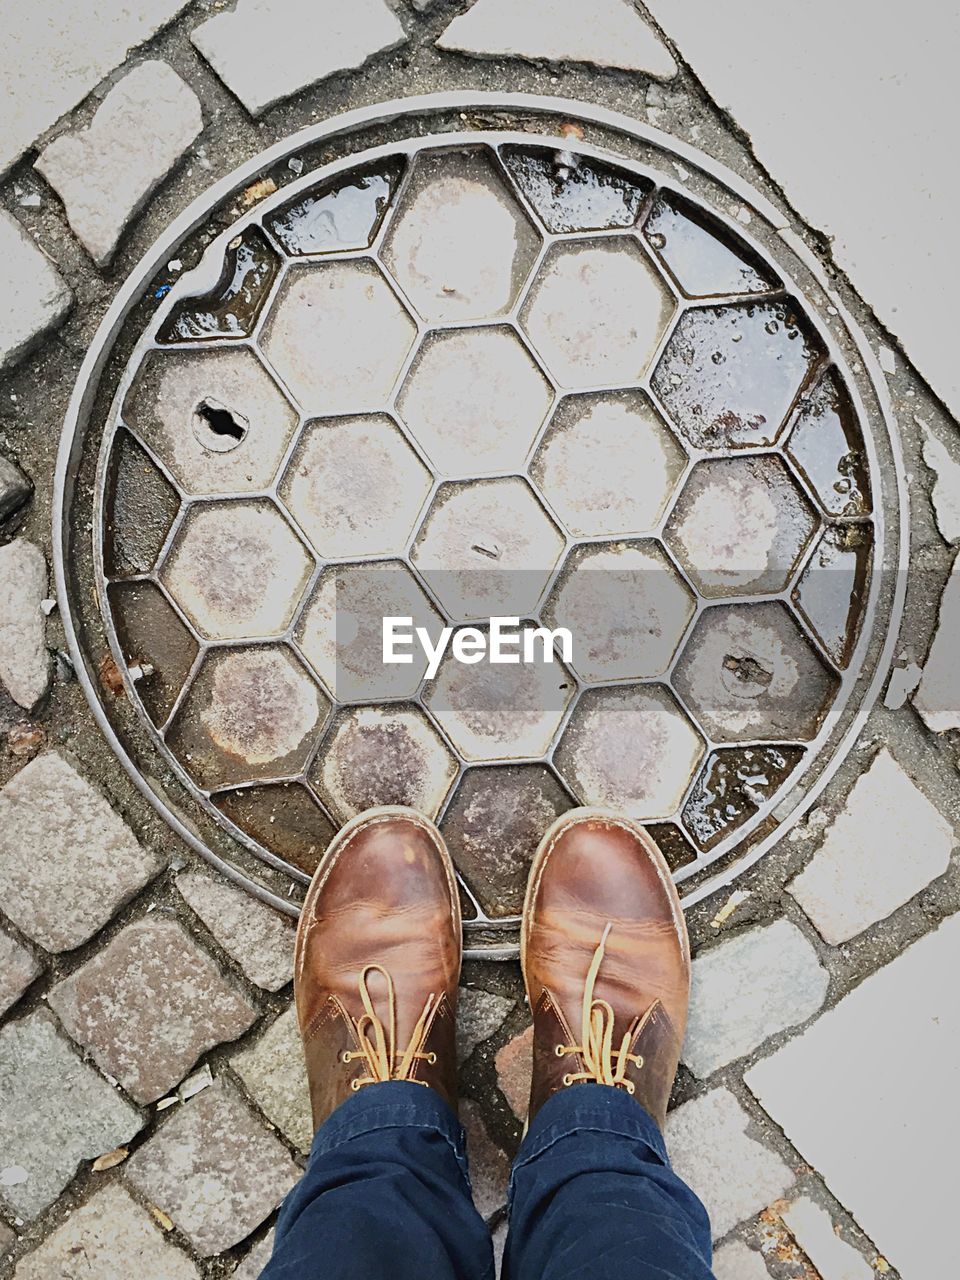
point(386, 1196)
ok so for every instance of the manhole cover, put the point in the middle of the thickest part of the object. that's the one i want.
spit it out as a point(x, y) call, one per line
point(451, 363)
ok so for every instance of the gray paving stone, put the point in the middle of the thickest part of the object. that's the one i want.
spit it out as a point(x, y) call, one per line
point(733, 1174)
point(887, 843)
point(607, 33)
point(35, 297)
point(945, 494)
point(259, 51)
point(24, 658)
point(882, 1130)
point(514, 1066)
point(214, 1169)
point(256, 1259)
point(15, 488)
point(759, 60)
point(55, 1111)
point(489, 1166)
point(111, 1238)
point(747, 989)
point(18, 968)
point(104, 173)
point(92, 862)
point(275, 1076)
point(813, 1230)
point(54, 56)
point(7, 1239)
point(938, 695)
point(149, 1004)
point(258, 938)
point(479, 1015)
point(734, 1261)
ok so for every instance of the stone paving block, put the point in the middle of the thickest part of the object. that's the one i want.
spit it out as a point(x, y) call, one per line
point(111, 1238)
point(18, 968)
point(758, 59)
point(813, 1231)
point(35, 297)
point(92, 862)
point(214, 1169)
point(489, 1166)
point(479, 1015)
point(52, 62)
point(882, 1129)
point(607, 33)
point(149, 1004)
point(938, 696)
point(733, 1174)
point(259, 51)
point(24, 658)
point(258, 938)
point(514, 1065)
point(256, 1260)
point(55, 1111)
point(734, 1261)
point(15, 488)
point(104, 173)
point(945, 494)
point(275, 1075)
point(747, 989)
point(887, 843)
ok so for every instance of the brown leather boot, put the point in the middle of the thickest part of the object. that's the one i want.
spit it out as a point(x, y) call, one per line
point(606, 960)
point(378, 960)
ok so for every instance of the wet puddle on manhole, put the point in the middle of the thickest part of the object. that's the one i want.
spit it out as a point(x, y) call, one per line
point(456, 376)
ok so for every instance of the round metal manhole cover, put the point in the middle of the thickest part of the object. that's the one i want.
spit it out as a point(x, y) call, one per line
point(449, 365)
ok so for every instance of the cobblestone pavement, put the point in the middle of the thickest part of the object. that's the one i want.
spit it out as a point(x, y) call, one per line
point(152, 1098)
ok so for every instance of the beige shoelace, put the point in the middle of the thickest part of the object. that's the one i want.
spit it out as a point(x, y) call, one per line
point(378, 1044)
point(602, 1064)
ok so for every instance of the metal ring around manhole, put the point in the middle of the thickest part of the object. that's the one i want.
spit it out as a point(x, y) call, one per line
point(460, 330)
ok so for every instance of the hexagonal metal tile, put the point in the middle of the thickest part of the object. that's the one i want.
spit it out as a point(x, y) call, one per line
point(747, 673)
point(341, 630)
point(383, 755)
point(355, 487)
point(596, 312)
point(626, 608)
point(250, 714)
point(338, 336)
point(237, 570)
point(492, 827)
point(608, 464)
point(704, 260)
point(631, 749)
point(474, 400)
point(215, 417)
point(487, 549)
point(458, 245)
point(729, 374)
point(740, 526)
point(494, 712)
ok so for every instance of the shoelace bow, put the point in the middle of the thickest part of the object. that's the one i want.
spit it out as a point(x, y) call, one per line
point(602, 1064)
point(378, 1044)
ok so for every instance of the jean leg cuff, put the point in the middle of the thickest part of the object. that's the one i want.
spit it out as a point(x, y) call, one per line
point(592, 1108)
point(392, 1105)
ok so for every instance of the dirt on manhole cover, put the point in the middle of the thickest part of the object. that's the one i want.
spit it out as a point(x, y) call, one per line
point(448, 375)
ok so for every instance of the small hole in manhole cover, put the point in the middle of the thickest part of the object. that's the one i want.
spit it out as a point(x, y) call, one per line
point(491, 374)
point(217, 427)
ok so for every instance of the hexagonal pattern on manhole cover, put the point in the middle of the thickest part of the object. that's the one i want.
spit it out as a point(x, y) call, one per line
point(448, 373)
